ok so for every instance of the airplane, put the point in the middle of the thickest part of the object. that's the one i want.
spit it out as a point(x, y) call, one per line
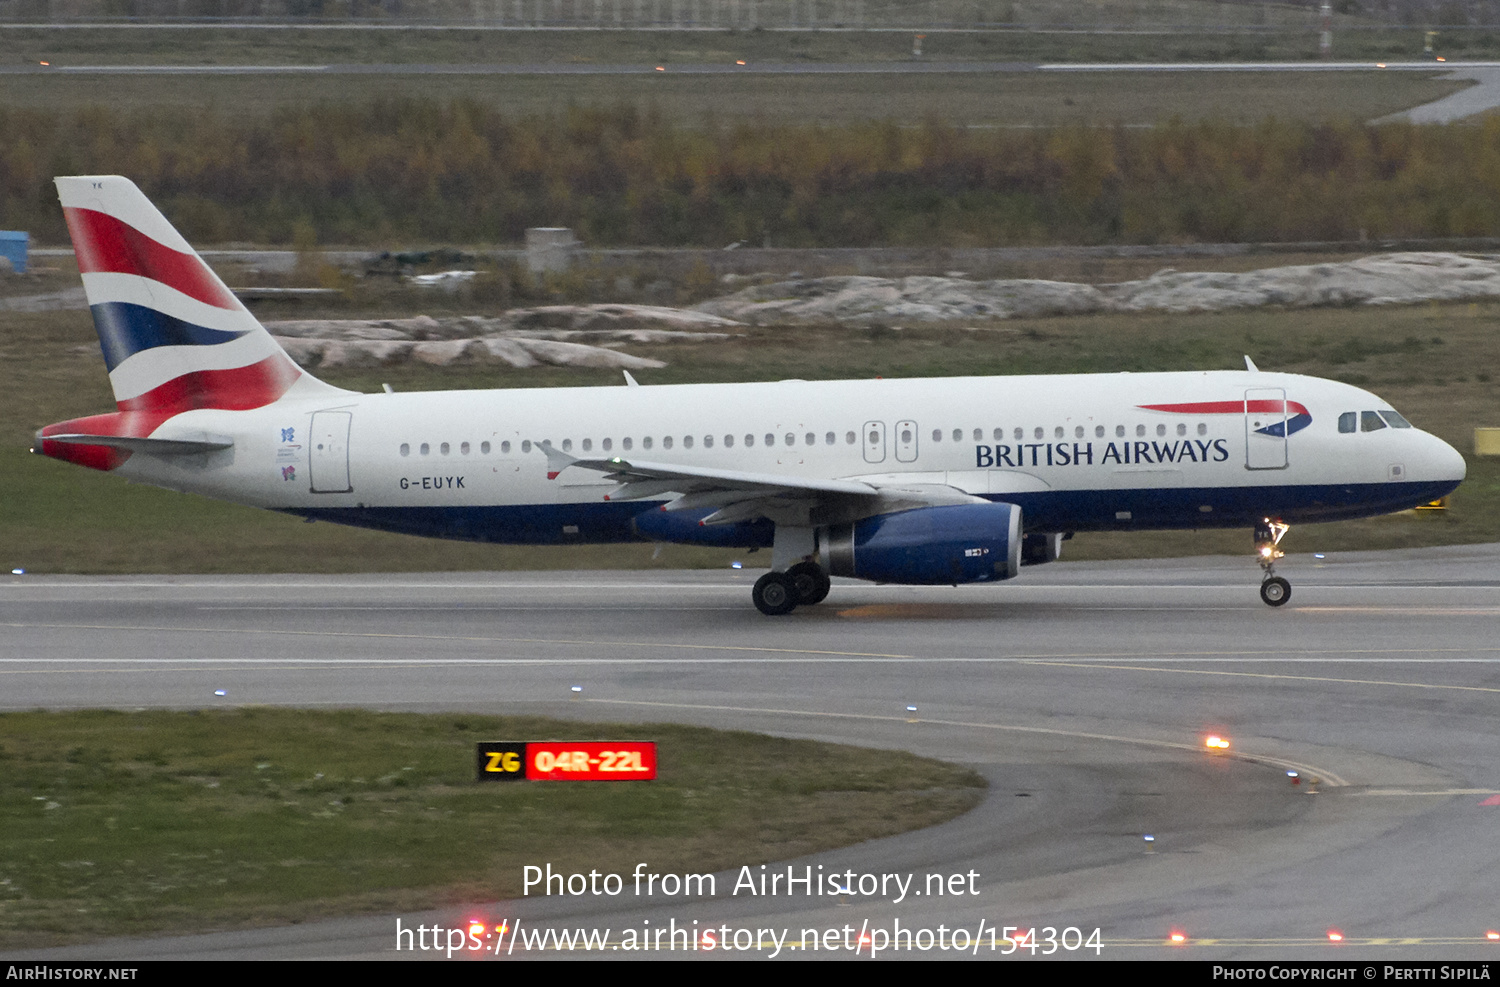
point(914, 481)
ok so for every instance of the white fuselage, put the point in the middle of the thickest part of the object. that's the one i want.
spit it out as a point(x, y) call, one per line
point(1080, 452)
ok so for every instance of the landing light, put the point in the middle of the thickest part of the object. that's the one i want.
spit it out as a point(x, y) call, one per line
point(1492, 936)
point(1177, 938)
point(1334, 935)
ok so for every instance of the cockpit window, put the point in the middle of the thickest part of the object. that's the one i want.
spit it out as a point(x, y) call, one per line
point(1369, 421)
point(1394, 419)
point(1348, 422)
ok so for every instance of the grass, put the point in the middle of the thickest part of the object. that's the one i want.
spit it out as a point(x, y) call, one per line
point(988, 99)
point(128, 823)
point(1430, 361)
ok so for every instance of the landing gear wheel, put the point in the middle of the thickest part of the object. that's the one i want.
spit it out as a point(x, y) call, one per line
point(811, 583)
point(775, 593)
point(1275, 591)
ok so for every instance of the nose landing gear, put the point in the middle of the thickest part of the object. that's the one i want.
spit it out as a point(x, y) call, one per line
point(1274, 591)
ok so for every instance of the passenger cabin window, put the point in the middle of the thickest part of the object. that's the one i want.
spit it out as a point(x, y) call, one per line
point(1347, 421)
point(958, 435)
point(708, 442)
point(1369, 421)
point(687, 441)
point(749, 441)
point(626, 443)
point(406, 449)
point(830, 439)
point(666, 441)
point(504, 447)
point(1161, 430)
point(424, 449)
point(937, 435)
point(567, 445)
point(463, 448)
point(443, 448)
point(1119, 431)
point(1098, 431)
point(728, 442)
point(607, 444)
point(849, 438)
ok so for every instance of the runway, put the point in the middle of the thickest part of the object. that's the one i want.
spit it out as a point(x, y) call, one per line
point(1082, 691)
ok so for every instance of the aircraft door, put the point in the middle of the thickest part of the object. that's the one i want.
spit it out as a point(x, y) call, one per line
point(874, 440)
point(329, 457)
point(1265, 428)
point(906, 442)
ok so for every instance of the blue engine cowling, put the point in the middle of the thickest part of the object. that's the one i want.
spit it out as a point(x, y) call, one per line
point(964, 543)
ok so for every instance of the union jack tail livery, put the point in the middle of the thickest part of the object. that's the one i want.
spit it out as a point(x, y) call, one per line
point(174, 338)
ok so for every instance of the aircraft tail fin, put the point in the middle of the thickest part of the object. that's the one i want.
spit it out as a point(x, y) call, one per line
point(174, 337)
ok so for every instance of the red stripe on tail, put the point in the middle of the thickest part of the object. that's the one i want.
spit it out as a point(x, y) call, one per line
point(107, 245)
point(238, 389)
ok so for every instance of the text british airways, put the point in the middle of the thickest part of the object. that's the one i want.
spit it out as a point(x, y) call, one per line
point(1084, 453)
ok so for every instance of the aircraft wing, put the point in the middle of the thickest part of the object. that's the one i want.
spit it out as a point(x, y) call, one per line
point(741, 495)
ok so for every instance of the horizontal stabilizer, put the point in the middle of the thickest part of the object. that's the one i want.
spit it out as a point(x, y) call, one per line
point(155, 447)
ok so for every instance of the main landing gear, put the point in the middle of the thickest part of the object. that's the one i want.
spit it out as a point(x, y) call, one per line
point(803, 584)
point(1274, 591)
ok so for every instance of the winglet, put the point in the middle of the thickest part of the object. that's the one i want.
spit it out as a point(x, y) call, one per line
point(1250, 365)
point(629, 380)
point(556, 461)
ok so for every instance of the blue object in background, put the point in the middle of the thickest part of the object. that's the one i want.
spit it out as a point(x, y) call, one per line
point(13, 247)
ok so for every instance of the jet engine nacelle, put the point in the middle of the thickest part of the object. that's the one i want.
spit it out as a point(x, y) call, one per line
point(963, 543)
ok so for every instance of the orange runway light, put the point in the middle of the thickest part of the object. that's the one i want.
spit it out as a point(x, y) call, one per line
point(739, 61)
point(46, 63)
point(660, 68)
point(476, 928)
point(1177, 938)
point(1492, 936)
point(1216, 743)
point(1334, 935)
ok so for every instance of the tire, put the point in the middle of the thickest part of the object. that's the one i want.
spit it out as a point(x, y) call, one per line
point(775, 593)
point(811, 583)
point(1275, 591)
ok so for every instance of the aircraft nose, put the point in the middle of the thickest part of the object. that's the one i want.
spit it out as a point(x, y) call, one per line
point(1444, 462)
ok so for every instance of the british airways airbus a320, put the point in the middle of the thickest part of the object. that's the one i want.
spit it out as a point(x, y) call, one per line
point(957, 480)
